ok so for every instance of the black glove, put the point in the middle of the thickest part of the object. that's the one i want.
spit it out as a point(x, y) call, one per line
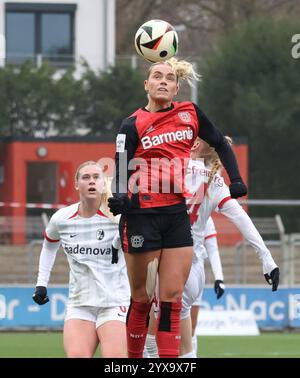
point(114, 255)
point(237, 188)
point(273, 278)
point(119, 205)
point(219, 288)
point(40, 295)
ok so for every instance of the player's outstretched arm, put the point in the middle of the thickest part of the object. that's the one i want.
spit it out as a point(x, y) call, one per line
point(233, 211)
point(126, 144)
point(47, 259)
point(211, 246)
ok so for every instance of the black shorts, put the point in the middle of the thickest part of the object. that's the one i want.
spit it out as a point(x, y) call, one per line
point(150, 232)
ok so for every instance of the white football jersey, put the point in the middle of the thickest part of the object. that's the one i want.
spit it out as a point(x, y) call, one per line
point(203, 201)
point(87, 242)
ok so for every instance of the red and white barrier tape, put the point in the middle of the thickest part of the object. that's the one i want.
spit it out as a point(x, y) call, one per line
point(262, 202)
point(32, 205)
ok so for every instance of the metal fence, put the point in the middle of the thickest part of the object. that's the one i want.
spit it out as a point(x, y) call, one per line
point(241, 265)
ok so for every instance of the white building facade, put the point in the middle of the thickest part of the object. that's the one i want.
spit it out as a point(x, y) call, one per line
point(61, 31)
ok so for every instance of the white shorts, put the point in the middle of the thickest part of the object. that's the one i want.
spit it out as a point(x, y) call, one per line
point(97, 315)
point(193, 289)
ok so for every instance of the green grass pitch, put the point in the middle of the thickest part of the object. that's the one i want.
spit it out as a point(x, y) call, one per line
point(268, 345)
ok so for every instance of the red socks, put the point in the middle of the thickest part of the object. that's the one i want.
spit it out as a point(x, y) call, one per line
point(167, 333)
point(137, 326)
point(168, 329)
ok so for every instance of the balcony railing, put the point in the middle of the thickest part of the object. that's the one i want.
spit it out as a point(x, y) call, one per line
point(57, 61)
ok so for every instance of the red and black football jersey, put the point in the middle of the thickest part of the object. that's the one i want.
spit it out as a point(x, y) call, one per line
point(153, 149)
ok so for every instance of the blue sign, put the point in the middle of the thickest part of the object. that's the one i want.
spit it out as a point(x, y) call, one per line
point(274, 310)
point(18, 310)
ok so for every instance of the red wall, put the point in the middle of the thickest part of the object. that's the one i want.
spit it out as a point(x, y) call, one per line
point(69, 155)
point(15, 155)
point(5, 187)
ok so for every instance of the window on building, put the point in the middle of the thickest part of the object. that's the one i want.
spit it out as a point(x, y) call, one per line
point(41, 182)
point(20, 37)
point(40, 31)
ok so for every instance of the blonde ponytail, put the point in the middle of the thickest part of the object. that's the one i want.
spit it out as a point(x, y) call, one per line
point(215, 163)
point(184, 70)
point(104, 201)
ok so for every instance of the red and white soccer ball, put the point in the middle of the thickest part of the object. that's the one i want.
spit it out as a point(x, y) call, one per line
point(156, 40)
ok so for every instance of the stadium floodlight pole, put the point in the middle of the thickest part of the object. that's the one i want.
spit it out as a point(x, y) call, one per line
point(2, 50)
point(109, 32)
point(194, 88)
point(134, 62)
point(39, 60)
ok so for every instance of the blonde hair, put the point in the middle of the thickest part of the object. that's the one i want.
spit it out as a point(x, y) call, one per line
point(106, 193)
point(183, 70)
point(214, 161)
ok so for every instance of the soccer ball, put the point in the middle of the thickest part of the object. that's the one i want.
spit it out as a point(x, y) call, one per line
point(156, 40)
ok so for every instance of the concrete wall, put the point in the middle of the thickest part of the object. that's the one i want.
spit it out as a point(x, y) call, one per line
point(19, 264)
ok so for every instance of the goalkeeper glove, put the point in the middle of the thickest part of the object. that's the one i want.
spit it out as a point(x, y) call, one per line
point(114, 255)
point(40, 295)
point(119, 204)
point(273, 278)
point(237, 188)
point(219, 288)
